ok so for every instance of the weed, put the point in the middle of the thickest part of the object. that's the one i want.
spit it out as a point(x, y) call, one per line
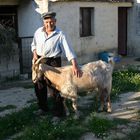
point(16, 121)
point(124, 81)
point(7, 107)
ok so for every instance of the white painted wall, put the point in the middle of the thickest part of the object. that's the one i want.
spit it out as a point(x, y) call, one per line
point(28, 19)
point(105, 25)
point(134, 30)
point(68, 14)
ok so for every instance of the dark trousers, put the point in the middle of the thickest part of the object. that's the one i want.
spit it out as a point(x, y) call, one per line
point(41, 89)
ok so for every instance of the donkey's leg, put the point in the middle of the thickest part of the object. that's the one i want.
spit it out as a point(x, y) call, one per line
point(104, 99)
point(74, 105)
point(101, 100)
point(66, 108)
point(108, 101)
point(109, 109)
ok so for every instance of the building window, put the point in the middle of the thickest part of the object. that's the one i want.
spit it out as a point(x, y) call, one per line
point(8, 17)
point(86, 21)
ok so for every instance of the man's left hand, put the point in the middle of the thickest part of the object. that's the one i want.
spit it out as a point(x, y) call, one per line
point(77, 71)
point(75, 68)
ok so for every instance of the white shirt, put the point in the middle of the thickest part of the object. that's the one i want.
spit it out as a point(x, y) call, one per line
point(53, 45)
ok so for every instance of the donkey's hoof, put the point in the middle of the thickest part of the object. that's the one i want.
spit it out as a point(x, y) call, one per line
point(109, 110)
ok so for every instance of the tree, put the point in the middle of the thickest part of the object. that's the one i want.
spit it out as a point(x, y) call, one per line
point(7, 41)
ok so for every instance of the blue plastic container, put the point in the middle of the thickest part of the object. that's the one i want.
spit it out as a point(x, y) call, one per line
point(117, 59)
point(103, 56)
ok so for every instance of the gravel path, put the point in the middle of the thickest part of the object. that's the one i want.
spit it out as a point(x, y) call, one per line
point(127, 107)
point(18, 97)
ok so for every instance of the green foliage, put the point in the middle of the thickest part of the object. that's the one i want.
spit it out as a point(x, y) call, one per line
point(7, 107)
point(7, 39)
point(35, 128)
point(44, 129)
point(125, 80)
point(99, 126)
point(15, 122)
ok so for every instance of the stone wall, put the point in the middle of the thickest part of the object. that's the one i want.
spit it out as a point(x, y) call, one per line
point(9, 67)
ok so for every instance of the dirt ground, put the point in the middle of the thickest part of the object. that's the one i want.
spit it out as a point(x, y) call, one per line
point(17, 96)
point(126, 108)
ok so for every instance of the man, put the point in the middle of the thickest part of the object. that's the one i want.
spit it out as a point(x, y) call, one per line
point(51, 42)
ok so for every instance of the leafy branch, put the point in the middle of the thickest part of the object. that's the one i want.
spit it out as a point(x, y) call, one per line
point(7, 40)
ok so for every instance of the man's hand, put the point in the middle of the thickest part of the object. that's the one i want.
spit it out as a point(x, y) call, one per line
point(76, 70)
point(35, 57)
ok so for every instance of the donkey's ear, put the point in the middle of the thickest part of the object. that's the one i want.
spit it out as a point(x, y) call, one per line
point(43, 60)
point(40, 60)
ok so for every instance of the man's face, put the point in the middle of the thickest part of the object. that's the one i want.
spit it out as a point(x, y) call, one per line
point(49, 24)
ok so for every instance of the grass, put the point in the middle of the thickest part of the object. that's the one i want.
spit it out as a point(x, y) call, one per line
point(99, 125)
point(7, 107)
point(67, 129)
point(16, 122)
point(31, 101)
point(35, 128)
point(124, 81)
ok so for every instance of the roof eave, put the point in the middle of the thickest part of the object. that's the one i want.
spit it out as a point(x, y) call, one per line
point(9, 2)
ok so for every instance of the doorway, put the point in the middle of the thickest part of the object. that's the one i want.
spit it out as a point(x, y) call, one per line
point(122, 31)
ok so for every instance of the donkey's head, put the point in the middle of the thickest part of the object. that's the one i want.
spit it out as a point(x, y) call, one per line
point(36, 72)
